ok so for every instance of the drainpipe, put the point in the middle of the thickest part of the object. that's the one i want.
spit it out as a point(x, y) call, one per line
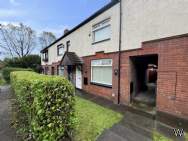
point(119, 51)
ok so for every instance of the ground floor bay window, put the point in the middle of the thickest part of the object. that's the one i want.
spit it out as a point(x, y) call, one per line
point(101, 72)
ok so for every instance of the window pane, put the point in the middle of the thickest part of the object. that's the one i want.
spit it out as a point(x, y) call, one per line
point(101, 62)
point(60, 49)
point(101, 24)
point(45, 55)
point(102, 74)
point(61, 70)
point(102, 34)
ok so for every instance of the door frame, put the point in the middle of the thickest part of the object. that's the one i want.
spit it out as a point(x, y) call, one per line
point(78, 74)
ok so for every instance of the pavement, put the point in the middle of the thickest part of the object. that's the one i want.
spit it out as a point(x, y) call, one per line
point(127, 129)
point(6, 132)
point(136, 125)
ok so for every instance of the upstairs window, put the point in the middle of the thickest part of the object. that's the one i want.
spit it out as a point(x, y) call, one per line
point(101, 71)
point(101, 31)
point(45, 56)
point(60, 50)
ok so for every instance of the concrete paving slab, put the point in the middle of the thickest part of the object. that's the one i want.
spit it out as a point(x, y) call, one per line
point(6, 132)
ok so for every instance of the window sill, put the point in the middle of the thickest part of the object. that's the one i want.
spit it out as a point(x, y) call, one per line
point(102, 85)
point(101, 41)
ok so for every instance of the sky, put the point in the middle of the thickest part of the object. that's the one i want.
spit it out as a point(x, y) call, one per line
point(48, 15)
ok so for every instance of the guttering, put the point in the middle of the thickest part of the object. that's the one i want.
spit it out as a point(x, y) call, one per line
point(119, 51)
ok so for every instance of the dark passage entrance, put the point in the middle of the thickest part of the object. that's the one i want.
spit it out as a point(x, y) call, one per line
point(144, 79)
point(53, 71)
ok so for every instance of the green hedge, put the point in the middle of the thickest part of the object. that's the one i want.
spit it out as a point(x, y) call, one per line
point(2, 82)
point(6, 72)
point(46, 103)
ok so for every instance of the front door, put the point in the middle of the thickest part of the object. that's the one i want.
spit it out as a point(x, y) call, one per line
point(78, 78)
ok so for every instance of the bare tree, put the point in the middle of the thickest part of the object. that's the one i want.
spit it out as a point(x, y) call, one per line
point(46, 38)
point(16, 40)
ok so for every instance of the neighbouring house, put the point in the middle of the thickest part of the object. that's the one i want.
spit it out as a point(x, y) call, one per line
point(132, 52)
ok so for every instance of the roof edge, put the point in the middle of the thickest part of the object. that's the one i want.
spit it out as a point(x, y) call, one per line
point(97, 13)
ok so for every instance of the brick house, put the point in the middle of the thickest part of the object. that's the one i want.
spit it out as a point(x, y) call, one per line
point(130, 52)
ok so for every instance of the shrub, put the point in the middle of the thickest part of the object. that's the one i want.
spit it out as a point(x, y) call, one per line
point(1, 80)
point(46, 104)
point(6, 72)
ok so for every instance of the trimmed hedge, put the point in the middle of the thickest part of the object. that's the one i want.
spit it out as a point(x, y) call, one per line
point(6, 72)
point(47, 103)
point(2, 82)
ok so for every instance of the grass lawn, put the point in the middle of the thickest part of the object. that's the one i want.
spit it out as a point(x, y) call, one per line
point(92, 120)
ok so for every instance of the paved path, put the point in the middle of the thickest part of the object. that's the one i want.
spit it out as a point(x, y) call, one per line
point(127, 129)
point(6, 132)
point(132, 127)
point(135, 125)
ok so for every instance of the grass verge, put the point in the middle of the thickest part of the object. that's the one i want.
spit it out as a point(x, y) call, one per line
point(93, 119)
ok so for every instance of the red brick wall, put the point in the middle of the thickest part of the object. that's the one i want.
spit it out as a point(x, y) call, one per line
point(100, 90)
point(172, 84)
point(173, 76)
point(125, 70)
point(55, 65)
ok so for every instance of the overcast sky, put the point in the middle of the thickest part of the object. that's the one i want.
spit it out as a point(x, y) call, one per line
point(48, 15)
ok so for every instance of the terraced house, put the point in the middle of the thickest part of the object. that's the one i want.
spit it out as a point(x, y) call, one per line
point(132, 52)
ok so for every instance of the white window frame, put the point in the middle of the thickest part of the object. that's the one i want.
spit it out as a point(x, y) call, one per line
point(60, 46)
point(45, 55)
point(99, 26)
point(100, 65)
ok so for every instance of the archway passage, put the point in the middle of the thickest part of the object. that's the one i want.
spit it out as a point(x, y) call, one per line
point(143, 83)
